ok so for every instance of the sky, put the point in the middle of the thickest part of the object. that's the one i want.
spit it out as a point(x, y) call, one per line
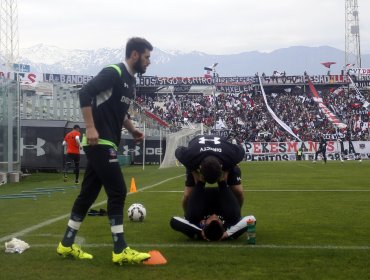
point(210, 26)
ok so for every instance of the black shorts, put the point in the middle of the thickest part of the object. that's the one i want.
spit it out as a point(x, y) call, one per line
point(234, 177)
point(73, 158)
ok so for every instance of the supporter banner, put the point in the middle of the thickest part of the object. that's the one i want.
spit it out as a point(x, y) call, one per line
point(232, 81)
point(173, 81)
point(362, 84)
point(346, 147)
point(330, 115)
point(361, 79)
point(66, 79)
point(289, 157)
point(24, 78)
point(235, 89)
point(359, 71)
point(247, 81)
point(316, 79)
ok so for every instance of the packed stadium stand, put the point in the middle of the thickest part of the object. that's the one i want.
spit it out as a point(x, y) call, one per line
point(240, 114)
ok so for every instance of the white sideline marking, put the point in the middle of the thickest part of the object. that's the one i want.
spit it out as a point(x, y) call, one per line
point(50, 221)
point(223, 245)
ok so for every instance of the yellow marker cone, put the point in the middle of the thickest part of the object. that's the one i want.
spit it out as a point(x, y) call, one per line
point(133, 185)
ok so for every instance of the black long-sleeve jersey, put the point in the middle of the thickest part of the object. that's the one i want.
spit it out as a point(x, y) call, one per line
point(109, 94)
point(205, 145)
point(322, 144)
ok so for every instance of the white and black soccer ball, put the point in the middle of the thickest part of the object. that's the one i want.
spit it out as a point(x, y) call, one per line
point(136, 212)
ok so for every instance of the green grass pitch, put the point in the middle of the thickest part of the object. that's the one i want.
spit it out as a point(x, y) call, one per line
point(313, 222)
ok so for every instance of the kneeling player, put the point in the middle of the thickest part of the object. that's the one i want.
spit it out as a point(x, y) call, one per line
point(213, 213)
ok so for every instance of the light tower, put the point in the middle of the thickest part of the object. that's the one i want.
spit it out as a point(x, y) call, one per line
point(9, 89)
point(352, 40)
point(9, 41)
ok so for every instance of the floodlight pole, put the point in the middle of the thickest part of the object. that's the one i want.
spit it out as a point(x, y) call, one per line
point(214, 94)
point(9, 48)
point(352, 34)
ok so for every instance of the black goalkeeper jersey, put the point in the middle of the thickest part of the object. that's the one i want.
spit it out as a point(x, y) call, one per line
point(205, 145)
point(110, 94)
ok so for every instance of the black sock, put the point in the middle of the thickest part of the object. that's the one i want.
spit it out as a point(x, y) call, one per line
point(72, 229)
point(69, 237)
point(119, 242)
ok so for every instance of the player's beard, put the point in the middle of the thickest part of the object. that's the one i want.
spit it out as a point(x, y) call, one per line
point(138, 67)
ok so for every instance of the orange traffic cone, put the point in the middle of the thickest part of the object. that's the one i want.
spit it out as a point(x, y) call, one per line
point(155, 258)
point(133, 185)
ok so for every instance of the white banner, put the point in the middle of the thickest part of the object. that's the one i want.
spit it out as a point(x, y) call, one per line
point(359, 96)
point(276, 118)
point(30, 78)
point(359, 71)
point(277, 151)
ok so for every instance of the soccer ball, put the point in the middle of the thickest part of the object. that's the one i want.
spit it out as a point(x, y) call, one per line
point(136, 212)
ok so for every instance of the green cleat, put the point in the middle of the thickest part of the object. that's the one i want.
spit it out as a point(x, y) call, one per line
point(73, 251)
point(129, 255)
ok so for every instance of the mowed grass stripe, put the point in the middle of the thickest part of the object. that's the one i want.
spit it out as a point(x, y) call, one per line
point(221, 245)
point(50, 221)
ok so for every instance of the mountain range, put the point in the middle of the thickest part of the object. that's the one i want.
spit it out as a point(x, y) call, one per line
point(294, 60)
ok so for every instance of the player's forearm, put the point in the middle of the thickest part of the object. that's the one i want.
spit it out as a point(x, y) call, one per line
point(127, 123)
point(92, 135)
point(240, 198)
point(239, 194)
point(88, 117)
point(184, 203)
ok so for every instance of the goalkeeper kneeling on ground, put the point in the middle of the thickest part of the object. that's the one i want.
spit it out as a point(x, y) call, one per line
point(212, 213)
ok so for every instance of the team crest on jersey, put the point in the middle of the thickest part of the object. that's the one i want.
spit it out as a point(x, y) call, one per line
point(113, 155)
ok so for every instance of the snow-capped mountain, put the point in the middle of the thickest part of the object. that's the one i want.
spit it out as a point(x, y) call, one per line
point(292, 60)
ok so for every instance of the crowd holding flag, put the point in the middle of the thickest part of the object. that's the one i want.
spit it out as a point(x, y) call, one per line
point(210, 70)
point(328, 64)
point(330, 115)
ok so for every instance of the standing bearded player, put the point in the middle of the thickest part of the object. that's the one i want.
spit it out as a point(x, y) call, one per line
point(104, 102)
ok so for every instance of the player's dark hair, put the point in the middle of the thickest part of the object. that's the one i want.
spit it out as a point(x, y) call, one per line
point(211, 169)
point(137, 44)
point(76, 126)
point(213, 231)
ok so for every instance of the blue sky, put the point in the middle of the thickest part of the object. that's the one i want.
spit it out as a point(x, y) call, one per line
point(210, 26)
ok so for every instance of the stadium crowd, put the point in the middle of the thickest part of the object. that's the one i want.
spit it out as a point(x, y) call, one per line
point(247, 118)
